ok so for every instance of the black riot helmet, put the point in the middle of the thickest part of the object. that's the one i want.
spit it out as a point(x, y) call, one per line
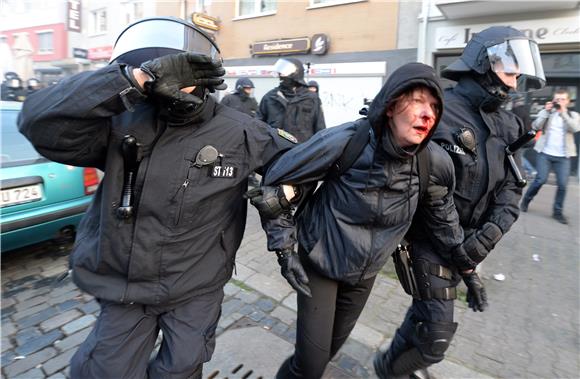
point(314, 84)
point(290, 68)
point(154, 37)
point(242, 83)
point(497, 52)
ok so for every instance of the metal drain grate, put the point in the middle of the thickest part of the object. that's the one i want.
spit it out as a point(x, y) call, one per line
point(238, 372)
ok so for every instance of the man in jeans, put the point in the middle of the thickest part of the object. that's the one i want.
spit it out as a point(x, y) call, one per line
point(555, 147)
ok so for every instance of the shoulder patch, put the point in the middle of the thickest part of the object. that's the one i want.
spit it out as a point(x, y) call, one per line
point(284, 134)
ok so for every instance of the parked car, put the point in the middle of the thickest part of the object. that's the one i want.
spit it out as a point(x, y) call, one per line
point(40, 200)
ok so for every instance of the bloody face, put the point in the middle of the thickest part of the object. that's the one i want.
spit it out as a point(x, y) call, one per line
point(413, 116)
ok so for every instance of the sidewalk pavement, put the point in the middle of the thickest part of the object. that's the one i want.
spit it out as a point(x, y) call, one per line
point(531, 329)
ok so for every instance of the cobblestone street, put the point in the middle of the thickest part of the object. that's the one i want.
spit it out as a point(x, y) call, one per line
point(531, 329)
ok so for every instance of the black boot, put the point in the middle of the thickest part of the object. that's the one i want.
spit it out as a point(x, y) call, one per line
point(383, 360)
point(401, 361)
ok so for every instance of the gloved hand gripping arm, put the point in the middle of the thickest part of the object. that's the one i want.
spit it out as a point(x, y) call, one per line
point(271, 201)
point(276, 215)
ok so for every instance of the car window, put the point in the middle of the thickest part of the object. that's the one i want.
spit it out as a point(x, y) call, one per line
point(16, 150)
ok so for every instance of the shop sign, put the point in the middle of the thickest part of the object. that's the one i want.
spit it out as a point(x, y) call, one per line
point(80, 53)
point(319, 44)
point(100, 53)
point(74, 15)
point(205, 21)
point(282, 47)
point(549, 30)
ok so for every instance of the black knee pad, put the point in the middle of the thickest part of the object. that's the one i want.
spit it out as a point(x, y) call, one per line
point(433, 338)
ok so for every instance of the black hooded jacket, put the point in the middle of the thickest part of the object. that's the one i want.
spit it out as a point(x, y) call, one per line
point(299, 114)
point(485, 186)
point(353, 222)
point(240, 101)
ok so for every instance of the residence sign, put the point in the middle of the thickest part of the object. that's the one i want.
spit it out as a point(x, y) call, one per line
point(282, 47)
point(318, 45)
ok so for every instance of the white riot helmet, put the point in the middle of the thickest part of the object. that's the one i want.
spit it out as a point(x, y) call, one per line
point(155, 37)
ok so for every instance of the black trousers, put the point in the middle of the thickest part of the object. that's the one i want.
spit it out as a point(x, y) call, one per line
point(123, 338)
point(324, 323)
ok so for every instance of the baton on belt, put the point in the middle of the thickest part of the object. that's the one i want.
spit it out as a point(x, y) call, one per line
point(130, 165)
point(510, 151)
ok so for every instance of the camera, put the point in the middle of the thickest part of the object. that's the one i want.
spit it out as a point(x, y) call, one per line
point(557, 106)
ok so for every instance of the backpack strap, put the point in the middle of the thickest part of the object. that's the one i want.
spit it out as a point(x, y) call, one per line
point(423, 166)
point(354, 147)
point(351, 152)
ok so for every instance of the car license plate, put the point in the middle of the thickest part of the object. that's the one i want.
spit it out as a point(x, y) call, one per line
point(21, 195)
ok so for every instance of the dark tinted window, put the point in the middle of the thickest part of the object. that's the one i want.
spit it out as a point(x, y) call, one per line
point(16, 150)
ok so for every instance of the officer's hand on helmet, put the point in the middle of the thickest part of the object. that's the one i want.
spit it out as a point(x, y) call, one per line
point(173, 72)
point(292, 270)
point(475, 248)
point(476, 295)
point(270, 201)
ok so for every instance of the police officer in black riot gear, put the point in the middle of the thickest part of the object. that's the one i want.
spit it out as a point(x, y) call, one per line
point(475, 131)
point(158, 243)
point(291, 106)
point(242, 100)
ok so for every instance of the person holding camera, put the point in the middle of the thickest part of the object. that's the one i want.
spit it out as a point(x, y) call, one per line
point(555, 147)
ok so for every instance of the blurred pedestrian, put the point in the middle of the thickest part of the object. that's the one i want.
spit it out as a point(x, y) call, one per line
point(291, 106)
point(242, 99)
point(348, 228)
point(158, 243)
point(475, 131)
point(555, 147)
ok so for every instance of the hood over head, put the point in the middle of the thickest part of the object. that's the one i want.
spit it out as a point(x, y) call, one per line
point(402, 80)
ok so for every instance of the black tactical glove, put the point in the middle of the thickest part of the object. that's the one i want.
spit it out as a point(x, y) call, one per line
point(269, 201)
point(475, 248)
point(172, 72)
point(292, 270)
point(476, 296)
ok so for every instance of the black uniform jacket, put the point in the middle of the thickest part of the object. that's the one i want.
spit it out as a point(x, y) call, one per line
point(485, 188)
point(188, 224)
point(300, 115)
point(352, 223)
point(241, 102)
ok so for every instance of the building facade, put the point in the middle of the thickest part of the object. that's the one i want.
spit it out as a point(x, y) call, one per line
point(350, 47)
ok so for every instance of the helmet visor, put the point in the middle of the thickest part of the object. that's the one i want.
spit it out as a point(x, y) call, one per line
point(163, 33)
point(285, 68)
point(518, 58)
